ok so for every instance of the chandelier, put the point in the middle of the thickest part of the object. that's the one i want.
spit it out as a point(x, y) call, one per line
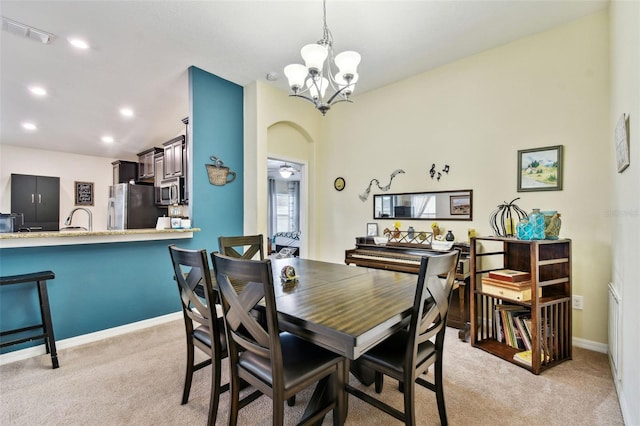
point(286, 171)
point(311, 80)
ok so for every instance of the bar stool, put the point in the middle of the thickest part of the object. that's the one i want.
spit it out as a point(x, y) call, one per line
point(40, 278)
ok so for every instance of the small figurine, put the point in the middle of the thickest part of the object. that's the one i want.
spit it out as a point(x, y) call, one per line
point(288, 273)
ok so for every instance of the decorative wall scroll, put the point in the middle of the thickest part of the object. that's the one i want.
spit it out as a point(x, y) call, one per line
point(366, 192)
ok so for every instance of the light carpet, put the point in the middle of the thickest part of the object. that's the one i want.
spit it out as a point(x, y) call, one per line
point(137, 379)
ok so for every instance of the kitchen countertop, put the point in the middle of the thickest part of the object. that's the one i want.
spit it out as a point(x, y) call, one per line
point(59, 238)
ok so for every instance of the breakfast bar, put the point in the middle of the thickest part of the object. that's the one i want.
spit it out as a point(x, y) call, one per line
point(62, 238)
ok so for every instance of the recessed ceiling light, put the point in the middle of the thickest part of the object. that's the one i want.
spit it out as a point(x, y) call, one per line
point(38, 90)
point(107, 139)
point(29, 126)
point(126, 112)
point(78, 43)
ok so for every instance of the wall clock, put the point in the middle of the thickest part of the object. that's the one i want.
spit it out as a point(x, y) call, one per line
point(339, 184)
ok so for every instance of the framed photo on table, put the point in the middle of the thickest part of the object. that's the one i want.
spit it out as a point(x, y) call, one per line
point(84, 193)
point(540, 169)
point(372, 229)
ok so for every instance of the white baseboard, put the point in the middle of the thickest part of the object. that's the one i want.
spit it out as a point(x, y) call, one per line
point(140, 325)
point(21, 354)
point(590, 345)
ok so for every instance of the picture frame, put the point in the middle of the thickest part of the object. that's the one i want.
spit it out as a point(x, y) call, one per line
point(459, 205)
point(84, 195)
point(622, 143)
point(540, 169)
point(372, 229)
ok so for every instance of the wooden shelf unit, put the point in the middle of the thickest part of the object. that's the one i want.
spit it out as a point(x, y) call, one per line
point(549, 262)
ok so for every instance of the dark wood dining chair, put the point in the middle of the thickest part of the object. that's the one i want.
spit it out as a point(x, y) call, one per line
point(407, 354)
point(242, 246)
point(247, 247)
point(204, 329)
point(276, 363)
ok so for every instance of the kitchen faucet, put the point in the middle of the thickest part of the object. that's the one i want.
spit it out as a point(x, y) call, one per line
point(67, 221)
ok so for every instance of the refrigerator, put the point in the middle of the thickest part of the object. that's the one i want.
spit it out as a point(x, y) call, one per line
point(132, 207)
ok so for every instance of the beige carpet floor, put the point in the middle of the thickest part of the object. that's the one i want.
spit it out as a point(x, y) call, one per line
point(137, 379)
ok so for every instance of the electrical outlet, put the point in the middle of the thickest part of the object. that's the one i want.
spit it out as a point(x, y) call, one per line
point(577, 302)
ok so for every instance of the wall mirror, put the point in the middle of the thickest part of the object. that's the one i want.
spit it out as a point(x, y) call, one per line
point(434, 205)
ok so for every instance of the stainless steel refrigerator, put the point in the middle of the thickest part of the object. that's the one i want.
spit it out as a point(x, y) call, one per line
point(132, 207)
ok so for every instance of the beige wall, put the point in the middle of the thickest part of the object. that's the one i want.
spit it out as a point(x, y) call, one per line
point(265, 107)
point(70, 168)
point(474, 114)
point(286, 141)
point(625, 198)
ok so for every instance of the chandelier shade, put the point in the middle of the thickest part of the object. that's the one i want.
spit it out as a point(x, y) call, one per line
point(286, 171)
point(321, 71)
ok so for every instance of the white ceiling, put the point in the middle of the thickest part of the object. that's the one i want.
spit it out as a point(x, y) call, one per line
point(140, 52)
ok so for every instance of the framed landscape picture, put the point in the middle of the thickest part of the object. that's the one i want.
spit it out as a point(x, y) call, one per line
point(540, 169)
point(459, 204)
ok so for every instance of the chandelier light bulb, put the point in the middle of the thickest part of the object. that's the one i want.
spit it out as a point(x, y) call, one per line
point(296, 74)
point(314, 56)
point(314, 85)
point(347, 86)
point(347, 62)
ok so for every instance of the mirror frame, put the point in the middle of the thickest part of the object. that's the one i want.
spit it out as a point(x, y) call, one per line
point(451, 216)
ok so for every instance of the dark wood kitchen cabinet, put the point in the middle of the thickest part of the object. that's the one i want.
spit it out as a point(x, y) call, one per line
point(124, 171)
point(146, 164)
point(174, 157)
point(38, 199)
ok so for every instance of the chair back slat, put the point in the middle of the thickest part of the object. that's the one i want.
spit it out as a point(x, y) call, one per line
point(437, 275)
point(244, 284)
point(242, 247)
point(191, 269)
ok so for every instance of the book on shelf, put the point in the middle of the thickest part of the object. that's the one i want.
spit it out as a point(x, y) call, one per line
point(507, 330)
point(507, 284)
point(510, 275)
point(526, 357)
point(522, 330)
point(505, 293)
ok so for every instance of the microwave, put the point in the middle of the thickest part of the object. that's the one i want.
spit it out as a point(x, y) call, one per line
point(171, 191)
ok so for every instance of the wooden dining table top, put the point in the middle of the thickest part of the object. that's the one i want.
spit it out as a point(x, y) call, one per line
point(346, 309)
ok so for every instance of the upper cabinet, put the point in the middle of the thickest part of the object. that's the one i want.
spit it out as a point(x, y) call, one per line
point(174, 157)
point(124, 171)
point(38, 199)
point(146, 164)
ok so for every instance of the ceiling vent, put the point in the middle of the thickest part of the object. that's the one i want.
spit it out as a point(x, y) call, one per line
point(24, 30)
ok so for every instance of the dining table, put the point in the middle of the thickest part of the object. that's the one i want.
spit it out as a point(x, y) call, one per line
point(345, 309)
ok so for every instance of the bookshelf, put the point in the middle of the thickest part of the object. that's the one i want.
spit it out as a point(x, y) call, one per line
point(549, 309)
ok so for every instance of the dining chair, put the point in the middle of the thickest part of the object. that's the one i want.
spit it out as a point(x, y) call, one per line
point(247, 247)
point(277, 363)
point(408, 354)
point(242, 246)
point(204, 329)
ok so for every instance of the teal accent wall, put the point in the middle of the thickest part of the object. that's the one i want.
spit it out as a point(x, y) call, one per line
point(100, 286)
point(217, 129)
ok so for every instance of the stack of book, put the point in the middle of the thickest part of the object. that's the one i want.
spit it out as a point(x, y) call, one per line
point(508, 284)
point(513, 326)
